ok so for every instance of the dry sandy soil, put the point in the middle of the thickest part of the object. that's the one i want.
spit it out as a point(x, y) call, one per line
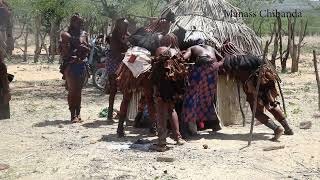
point(38, 142)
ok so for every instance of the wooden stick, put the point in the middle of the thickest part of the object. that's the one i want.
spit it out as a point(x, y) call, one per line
point(282, 98)
point(257, 92)
point(317, 76)
point(254, 110)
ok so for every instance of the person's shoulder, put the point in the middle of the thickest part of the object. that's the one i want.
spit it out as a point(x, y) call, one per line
point(65, 35)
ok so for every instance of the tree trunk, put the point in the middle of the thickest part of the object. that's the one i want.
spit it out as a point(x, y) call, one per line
point(295, 60)
point(276, 44)
point(283, 66)
point(317, 76)
point(25, 47)
point(291, 43)
point(9, 34)
point(43, 45)
point(290, 36)
point(286, 56)
point(283, 63)
point(54, 29)
point(296, 47)
point(37, 50)
point(52, 36)
point(302, 34)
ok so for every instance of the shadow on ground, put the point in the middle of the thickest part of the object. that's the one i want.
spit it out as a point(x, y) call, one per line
point(98, 124)
point(231, 137)
point(50, 89)
point(132, 135)
point(52, 123)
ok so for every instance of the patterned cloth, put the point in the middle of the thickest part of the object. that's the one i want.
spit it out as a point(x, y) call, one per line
point(200, 95)
point(112, 64)
point(78, 69)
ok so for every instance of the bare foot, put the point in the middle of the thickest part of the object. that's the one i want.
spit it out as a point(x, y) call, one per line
point(120, 133)
point(277, 134)
point(289, 132)
point(110, 120)
point(192, 128)
point(80, 120)
point(180, 142)
point(75, 120)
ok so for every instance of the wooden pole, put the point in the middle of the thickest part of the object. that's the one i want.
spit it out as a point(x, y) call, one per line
point(282, 98)
point(317, 76)
point(254, 109)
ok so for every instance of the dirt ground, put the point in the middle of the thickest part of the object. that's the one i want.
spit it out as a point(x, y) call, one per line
point(38, 142)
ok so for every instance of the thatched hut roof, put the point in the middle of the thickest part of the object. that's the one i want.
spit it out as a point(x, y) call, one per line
point(211, 22)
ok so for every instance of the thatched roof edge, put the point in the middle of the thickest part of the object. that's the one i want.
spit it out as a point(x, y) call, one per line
point(208, 17)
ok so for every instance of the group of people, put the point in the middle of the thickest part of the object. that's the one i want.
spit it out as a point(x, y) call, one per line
point(178, 84)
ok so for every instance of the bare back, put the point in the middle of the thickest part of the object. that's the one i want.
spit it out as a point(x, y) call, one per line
point(197, 51)
point(203, 51)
